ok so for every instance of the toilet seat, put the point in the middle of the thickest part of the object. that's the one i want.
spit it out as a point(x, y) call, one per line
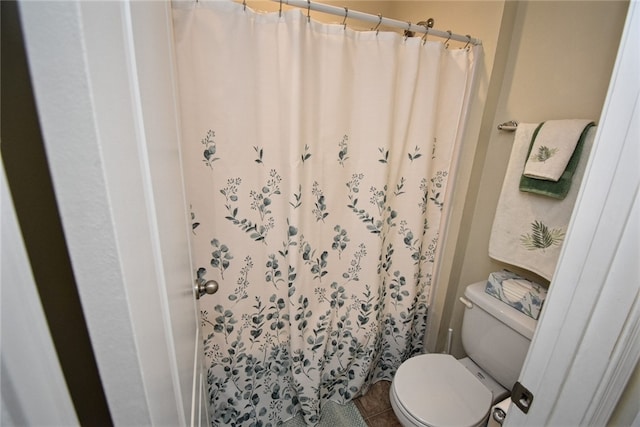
point(437, 390)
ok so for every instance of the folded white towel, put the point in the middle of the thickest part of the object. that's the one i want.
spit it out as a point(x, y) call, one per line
point(553, 147)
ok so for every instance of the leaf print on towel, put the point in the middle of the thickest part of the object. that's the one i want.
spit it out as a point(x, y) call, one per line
point(209, 148)
point(344, 149)
point(544, 153)
point(541, 237)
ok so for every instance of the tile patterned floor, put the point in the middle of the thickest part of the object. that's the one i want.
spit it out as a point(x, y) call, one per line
point(375, 407)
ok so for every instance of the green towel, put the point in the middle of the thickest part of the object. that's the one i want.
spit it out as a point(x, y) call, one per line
point(559, 189)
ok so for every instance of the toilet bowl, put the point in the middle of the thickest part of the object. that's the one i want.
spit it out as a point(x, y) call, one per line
point(437, 390)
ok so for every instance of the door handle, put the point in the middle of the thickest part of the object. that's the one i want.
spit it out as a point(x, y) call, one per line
point(210, 287)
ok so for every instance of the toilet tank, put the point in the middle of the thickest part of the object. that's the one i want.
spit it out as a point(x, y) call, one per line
point(495, 335)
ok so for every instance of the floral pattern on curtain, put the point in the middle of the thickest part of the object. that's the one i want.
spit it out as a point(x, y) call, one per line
point(316, 161)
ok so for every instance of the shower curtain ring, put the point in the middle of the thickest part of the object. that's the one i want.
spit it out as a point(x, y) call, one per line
point(308, 10)
point(379, 22)
point(426, 33)
point(244, 5)
point(279, 11)
point(446, 42)
point(408, 33)
point(344, 21)
point(468, 36)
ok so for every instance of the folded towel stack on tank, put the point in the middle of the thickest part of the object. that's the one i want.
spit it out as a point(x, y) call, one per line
point(516, 291)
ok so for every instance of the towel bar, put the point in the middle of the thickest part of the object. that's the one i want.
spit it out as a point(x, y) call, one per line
point(508, 126)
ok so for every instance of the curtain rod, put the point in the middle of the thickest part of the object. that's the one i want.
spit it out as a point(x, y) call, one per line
point(377, 19)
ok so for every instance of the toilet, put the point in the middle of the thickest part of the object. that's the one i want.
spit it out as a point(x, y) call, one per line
point(436, 390)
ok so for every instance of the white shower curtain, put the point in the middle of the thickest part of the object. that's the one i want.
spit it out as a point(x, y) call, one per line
point(316, 160)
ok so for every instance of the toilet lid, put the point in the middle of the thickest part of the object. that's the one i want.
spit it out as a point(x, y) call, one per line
point(438, 390)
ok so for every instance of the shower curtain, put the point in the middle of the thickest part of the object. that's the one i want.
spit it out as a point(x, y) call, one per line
point(316, 161)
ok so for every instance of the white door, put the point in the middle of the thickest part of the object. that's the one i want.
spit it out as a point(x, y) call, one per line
point(584, 351)
point(103, 80)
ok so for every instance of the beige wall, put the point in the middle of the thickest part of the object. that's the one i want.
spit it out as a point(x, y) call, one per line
point(557, 67)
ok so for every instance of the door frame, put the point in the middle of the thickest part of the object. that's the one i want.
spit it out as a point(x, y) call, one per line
point(30, 370)
point(76, 152)
point(110, 130)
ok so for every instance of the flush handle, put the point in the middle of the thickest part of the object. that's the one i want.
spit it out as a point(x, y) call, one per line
point(209, 288)
point(466, 302)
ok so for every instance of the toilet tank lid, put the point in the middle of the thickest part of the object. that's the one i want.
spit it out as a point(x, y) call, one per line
point(508, 315)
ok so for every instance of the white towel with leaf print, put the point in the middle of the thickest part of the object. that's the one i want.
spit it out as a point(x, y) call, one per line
point(553, 147)
point(529, 229)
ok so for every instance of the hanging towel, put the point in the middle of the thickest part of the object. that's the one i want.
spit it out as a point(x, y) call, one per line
point(552, 148)
point(529, 229)
point(556, 189)
point(517, 292)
